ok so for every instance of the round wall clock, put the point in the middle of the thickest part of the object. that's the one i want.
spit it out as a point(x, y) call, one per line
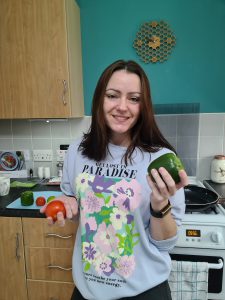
point(154, 42)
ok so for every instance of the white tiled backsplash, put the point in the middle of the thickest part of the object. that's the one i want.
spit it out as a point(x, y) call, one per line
point(196, 137)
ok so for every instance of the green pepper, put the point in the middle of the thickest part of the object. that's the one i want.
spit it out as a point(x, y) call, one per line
point(27, 198)
point(170, 162)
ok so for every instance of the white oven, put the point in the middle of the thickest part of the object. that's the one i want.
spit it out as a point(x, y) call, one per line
point(202, 239)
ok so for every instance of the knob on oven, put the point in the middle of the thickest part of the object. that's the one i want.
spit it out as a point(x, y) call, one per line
point(216, 237)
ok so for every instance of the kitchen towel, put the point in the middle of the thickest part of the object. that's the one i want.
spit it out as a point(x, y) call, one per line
point(189, 280)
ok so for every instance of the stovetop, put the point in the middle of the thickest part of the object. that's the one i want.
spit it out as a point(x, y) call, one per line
point(214, 215)
point(219, 188)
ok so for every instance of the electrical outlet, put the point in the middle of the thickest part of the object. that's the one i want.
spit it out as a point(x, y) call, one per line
point(42, 155)
point(60, 155)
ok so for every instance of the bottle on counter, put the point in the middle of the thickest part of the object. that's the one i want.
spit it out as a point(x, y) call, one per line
point(218, 169)
point(31, 173)
point(60, 169)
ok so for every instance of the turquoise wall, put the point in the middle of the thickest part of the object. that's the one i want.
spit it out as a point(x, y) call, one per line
point(195, 71)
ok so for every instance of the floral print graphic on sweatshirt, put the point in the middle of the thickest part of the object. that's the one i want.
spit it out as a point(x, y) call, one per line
point(107, 223)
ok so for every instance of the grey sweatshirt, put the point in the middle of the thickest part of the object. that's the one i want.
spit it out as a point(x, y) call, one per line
point(114, 254)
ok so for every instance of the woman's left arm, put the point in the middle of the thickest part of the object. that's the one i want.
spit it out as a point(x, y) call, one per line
point(163, 188)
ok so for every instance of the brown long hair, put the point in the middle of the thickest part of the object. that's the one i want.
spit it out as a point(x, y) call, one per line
point(145, 134)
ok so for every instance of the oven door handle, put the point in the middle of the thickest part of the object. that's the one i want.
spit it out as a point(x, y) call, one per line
point(216, 266)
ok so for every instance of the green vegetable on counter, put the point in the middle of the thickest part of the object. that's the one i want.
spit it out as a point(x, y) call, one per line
point(170, 162)
point(50, 198)
point(28, 184)
point(27, 198)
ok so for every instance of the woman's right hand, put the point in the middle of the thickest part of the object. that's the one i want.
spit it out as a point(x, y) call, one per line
point(71, 207)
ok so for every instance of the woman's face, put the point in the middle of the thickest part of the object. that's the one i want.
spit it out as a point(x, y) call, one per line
point(122, 105)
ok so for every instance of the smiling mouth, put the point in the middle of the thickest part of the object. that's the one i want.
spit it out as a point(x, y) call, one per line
point(120, 118)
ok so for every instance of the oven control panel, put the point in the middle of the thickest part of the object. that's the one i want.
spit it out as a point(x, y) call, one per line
point(201, 236)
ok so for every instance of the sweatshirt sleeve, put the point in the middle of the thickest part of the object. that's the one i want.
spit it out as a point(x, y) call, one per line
point(65, 183)
point(164, 245)
point(178, 209)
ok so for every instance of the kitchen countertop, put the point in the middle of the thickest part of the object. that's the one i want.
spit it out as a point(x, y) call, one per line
point(34, 213)
point(15, 193)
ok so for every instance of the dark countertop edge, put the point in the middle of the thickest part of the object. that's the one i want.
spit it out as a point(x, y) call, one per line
point(25, 213)
point(15, 193)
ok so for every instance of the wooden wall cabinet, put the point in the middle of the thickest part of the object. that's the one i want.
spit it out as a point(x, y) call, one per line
point(40, 59)
point(36, 259)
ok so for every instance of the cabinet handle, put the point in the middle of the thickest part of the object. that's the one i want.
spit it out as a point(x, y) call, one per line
point(59, 267)
point(17, 246)
point(64, 91)
point(59, 236)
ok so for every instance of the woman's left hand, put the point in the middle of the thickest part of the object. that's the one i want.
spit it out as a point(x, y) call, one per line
point(164, 186)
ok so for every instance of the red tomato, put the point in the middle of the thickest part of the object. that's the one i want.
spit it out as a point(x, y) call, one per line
point(40, 201)
point(53, 208)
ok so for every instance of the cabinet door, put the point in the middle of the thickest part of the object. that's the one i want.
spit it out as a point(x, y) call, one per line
point(37, 233)
point(12, 265)
point(49, 264)
point(39, 290)
point(34, 62)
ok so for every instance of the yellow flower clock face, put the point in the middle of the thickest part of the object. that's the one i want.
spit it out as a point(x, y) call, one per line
point(154, 42)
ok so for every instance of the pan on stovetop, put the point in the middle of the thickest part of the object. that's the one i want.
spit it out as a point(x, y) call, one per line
point(200, 199)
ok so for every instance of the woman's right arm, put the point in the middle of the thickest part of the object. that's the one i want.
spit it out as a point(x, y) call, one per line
point(69, 199)
point(72, 211)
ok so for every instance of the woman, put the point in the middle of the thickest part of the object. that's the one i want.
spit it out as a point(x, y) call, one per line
point(128, 222)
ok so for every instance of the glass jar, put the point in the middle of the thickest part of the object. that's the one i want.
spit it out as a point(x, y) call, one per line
point(218, 169)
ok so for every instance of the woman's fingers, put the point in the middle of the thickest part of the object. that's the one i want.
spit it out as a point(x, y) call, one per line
point(183, 179)
point(152, 184)
point(60, 219)
point(164, 179)
point(164, 182)
point(42, 209)
point(156, 194)
point(71, 207)
point(50, 221)
point(167, 181)
point(163, 186)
